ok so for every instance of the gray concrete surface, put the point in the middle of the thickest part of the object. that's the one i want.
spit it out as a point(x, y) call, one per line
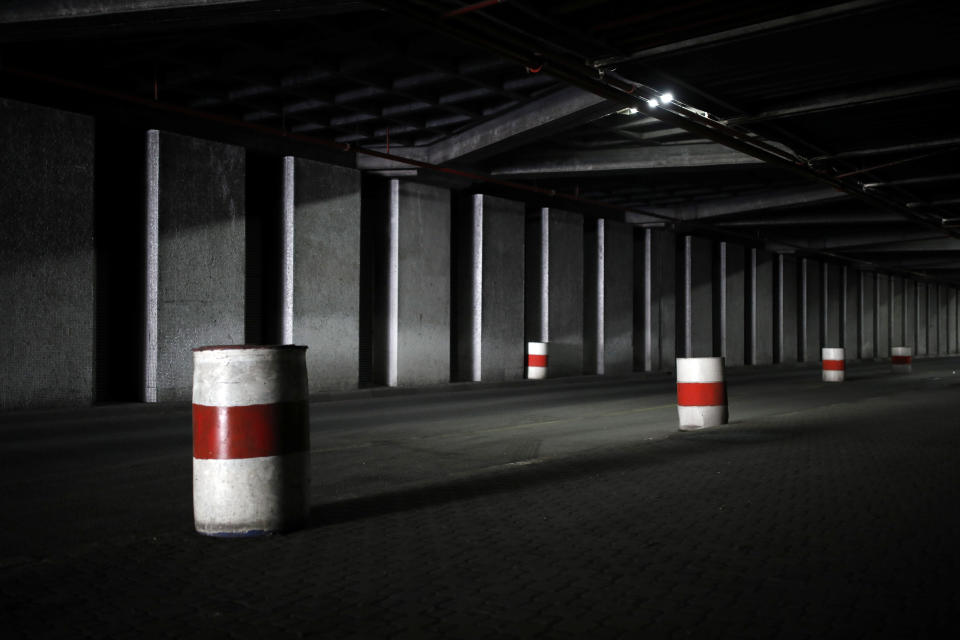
point(327, 272)
point(423, 311)
point(703, 309)
point(851, 324)
point(762, 306)
point(569, 508)
point(883, 317)
point(201, 251)
point(868, 311)
point(813, 311)
point(46, 257)
point(789, 302)
point(733, 347)
point(618, 288)
point(490, 280)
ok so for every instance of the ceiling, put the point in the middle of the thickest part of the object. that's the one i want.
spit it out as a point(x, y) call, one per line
point(816, 127)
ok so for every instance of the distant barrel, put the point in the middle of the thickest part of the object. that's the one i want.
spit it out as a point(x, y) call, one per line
point(833, 364)
point(901, 359)
point(701, 393)
point(536, 360)
point(251, 439)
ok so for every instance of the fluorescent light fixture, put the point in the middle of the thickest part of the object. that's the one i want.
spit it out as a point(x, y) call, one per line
point(666, 98)
point(628, 111)
point(653, 102)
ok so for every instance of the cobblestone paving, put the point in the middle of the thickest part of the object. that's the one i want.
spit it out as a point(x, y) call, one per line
point(832, 521)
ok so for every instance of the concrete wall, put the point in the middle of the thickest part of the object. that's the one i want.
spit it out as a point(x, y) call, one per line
point(699, 306)
point(922, 313)
point(658, 287)
point(200, 255)
point(910, 314)
point(734, 303)
point(867, 314)
point(951, 319)
point(608, 298)
point(46, 257)
point(882, 320)
point(933, 337)
point(787, 305)
point(851, 322)
point(812, 313)
point(943, 321)
point(560, 284)
point(490, 283)
point(422, 320)
point(833, 305)
point(326, 272)
point(761, 307)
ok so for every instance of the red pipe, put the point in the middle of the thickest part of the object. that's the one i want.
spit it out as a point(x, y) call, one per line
point(471, 8)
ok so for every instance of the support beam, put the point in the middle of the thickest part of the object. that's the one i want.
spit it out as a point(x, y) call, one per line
point(557, 164)
point(542, 117)
point(756, 202)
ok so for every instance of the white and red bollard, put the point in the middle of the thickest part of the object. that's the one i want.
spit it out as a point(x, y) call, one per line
point(701, 393)
point(251, 439)
point(901, 359)
point(833, 364)
point(536, 360)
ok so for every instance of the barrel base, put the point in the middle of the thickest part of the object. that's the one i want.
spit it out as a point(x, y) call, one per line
point(694, 418)
point(536, 373)
point(833, 376)
point(250, 496)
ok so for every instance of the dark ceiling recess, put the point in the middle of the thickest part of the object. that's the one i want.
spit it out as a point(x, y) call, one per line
point(821, 127)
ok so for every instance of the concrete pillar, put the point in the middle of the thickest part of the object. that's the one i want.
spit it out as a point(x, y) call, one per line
point(554, 287)
point(658, 299)
point(195, 256)
point(608, 297)
point(867, 313)
point(811, 315)
point(787, 308)
point(321, 258)
point(733, 300)
point(414, 310)
point(882, 320)
point(490, 290)
point(698, 300)
point(761, 307)
point(922, 313)
point(943, 320)
point(909, 314)
point(46, 257)
point(932, 312)
point(832, 300)
point(851, 307)
point(951, 320)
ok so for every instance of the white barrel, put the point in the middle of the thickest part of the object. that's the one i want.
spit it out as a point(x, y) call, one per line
point(901, 359)
point(536, 360)
point(251, 439)
point(833, 364)
point(701, 393)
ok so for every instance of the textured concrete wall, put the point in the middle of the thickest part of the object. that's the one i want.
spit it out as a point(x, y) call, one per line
point(762, 307)
point(565, 292)
point(951, 319)
point(699, 301)
point(882, 338)
point(423, 279)
point(896, 311)
point(326, 272)
point(46, 257)
point(490, 289)
point(910, 314)
point(851, 322)
point(788, 303)
point(943, 321)
point(812, 314)
point(733, 345)
point(200, 284)
point(868, 312)
point(618, 298)
point(921, 318)
point(933, 318)
point(833, 301)
point(663, 305)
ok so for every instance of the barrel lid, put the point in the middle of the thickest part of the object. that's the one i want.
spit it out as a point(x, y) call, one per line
point(223, 347)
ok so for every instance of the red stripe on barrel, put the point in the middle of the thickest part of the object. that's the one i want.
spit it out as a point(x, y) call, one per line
point(701, 394)
point(254, 431)
point(833, 365)
point(902, 359)
point(533, 360)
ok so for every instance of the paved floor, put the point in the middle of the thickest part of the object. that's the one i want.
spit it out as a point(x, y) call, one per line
point(562, 509)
